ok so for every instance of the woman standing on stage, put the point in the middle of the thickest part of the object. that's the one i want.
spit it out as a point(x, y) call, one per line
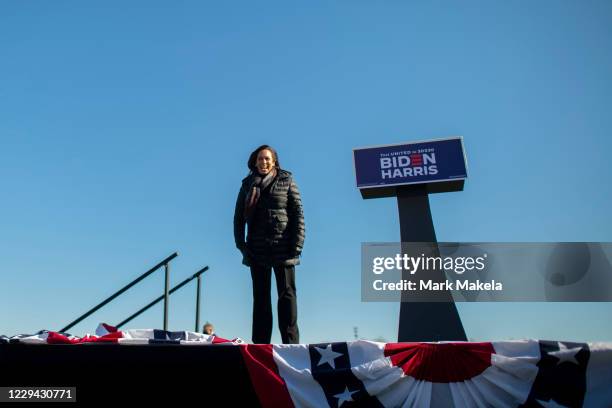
point(269, 204)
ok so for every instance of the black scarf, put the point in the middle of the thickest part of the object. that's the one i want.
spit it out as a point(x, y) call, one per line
point(259, 183)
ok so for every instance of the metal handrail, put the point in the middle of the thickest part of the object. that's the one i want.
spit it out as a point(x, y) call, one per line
point(174, 289)
point(129, 285)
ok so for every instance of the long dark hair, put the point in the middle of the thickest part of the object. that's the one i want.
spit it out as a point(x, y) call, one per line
point(252, 163)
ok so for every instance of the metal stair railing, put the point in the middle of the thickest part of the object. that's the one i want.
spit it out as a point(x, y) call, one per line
point(197, 276)
point(165, 296)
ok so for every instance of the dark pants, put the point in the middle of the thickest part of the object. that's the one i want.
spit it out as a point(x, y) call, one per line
point(262, 303)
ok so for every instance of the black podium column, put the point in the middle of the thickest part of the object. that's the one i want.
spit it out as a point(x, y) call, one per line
point(423, 321)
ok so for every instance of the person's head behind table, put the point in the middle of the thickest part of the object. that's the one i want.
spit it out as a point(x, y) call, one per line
point(208, 328)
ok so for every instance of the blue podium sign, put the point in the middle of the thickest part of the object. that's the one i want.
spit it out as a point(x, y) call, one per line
point(439, 164)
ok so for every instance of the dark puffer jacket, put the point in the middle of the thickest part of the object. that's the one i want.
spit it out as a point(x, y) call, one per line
point(276, 228)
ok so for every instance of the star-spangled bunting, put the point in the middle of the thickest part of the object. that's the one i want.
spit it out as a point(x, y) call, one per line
point(526, 373)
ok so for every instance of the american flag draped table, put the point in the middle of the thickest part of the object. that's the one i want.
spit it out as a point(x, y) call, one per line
point(526, 373)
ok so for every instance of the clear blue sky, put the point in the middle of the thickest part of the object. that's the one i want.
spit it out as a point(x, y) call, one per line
point(125, 129)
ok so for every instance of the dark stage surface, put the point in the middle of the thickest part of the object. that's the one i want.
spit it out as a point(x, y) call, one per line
point(110, 373)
